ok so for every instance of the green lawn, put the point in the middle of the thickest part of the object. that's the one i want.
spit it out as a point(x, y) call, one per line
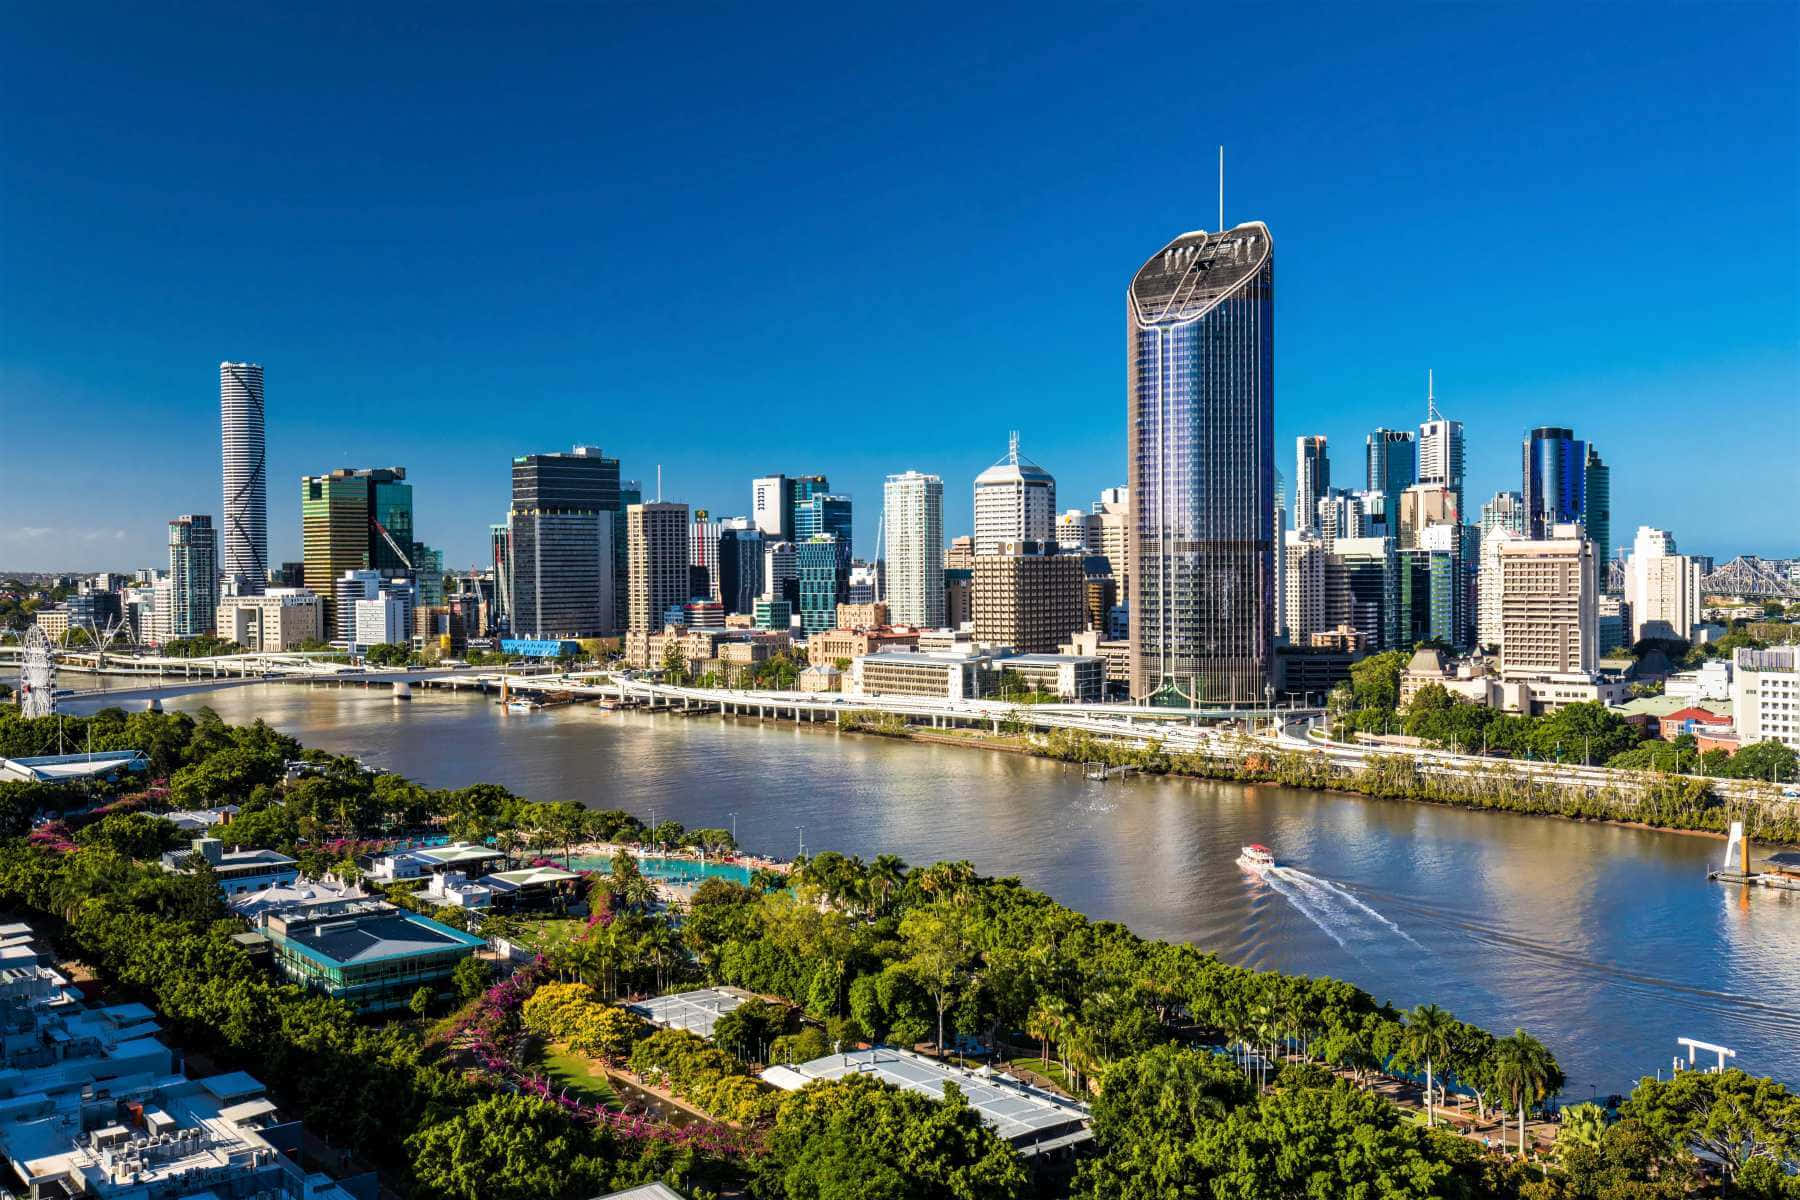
point(585, 1080)
point(1049, 1069)
point(544, 934)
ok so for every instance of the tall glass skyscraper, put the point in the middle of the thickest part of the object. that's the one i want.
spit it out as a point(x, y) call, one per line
point(1554, 472)
point(1393, 463)
point(562, 524)
point(1201, 441)
point(245, 553)
point(1312, 479)
point(1596, 513)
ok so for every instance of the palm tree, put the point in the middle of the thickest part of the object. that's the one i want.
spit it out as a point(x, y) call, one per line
point(886, 874)
point(1524, 1072)
point(1582, 1125)
point(1427, 1037)
point(1045, 1022)
point(662, 945)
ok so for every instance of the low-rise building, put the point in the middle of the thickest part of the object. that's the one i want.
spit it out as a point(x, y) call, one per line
point(422, 861)
point(1115, 654)
point(647, 649)
point(298, 894)
point(1465, 678)
point(835, 645)
point(914, 673)
point(1711, 682)
point(1078, 678)
point(453, 889)
point(1035, 1122)
point(91, 1105)
point(238, 871)
point(278, 620)
point(823, 678)
point(366, 952)
point(532, 889)
point(53, 621)
point(696, 1011)
point(871, 614)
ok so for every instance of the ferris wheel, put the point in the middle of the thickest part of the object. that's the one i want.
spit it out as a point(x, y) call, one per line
point(37, 676)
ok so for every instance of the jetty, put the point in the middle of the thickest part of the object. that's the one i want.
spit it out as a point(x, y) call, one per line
point(1783, 871)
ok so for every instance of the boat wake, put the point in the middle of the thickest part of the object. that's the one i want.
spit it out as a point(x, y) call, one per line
point(1339, 914)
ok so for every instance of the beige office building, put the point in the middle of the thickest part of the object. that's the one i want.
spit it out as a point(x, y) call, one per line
point(1028, 597)
point(278, 620)
point(1549, 613)
point(656, 537)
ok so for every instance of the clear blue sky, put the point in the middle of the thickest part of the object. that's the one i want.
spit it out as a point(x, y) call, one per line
point(736, 240)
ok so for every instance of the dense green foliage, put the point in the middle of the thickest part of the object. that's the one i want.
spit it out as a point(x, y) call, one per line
point(857, 1139)
point(877, 951)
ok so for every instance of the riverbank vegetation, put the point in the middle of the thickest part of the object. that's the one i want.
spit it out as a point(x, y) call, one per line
point(1208, 1079)
point(1589, 733)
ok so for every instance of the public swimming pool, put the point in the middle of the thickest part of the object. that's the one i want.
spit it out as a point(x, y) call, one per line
point(672, 870)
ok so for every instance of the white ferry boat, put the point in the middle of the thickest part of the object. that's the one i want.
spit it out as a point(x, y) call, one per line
point(1256, 857)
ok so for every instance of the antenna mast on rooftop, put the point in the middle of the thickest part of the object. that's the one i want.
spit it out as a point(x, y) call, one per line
point(1431, 412)
point(1012, 447)
point(1221, 189)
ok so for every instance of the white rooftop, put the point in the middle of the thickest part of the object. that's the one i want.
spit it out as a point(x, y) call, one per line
point(697, 1011)
point(1018, 1112)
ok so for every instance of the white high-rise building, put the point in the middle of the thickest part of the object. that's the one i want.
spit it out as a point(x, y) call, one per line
point(1015, 501)
point(1661, 586)
point(913, 515)
point(1280, 551)
point(346, 591)
point(244, 554)
point(381, 621)
point(772, 506)
point(1441, 451)
point(1489, 626)
point(1078, 532)
point(1765, 696)
point(1304, 558)
point(1506, 511)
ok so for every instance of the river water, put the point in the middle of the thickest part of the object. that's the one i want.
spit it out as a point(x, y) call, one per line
point(1607, 943)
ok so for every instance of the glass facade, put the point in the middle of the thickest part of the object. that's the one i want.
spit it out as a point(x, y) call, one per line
point(823, 514)
point(1555, 477)
point(1393, 463)
point(1597, 508)
point(1431, 595)
point(823, 576)
point(1201, 444)
point(390, 509)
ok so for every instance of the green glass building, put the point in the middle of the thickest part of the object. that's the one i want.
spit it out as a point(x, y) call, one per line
point(366, 951)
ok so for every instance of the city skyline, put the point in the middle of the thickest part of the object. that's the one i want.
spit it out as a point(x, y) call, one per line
point(508, 353)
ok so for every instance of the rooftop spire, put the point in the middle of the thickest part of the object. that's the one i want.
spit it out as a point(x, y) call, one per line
point(1012, 447)
point(1431, 412)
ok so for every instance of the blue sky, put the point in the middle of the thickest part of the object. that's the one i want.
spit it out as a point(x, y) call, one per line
point(736, 240)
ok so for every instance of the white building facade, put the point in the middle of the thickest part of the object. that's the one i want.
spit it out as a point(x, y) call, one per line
point(913, 513)
point(1765, 696)
point(1015, 500)
point(1661, 586)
